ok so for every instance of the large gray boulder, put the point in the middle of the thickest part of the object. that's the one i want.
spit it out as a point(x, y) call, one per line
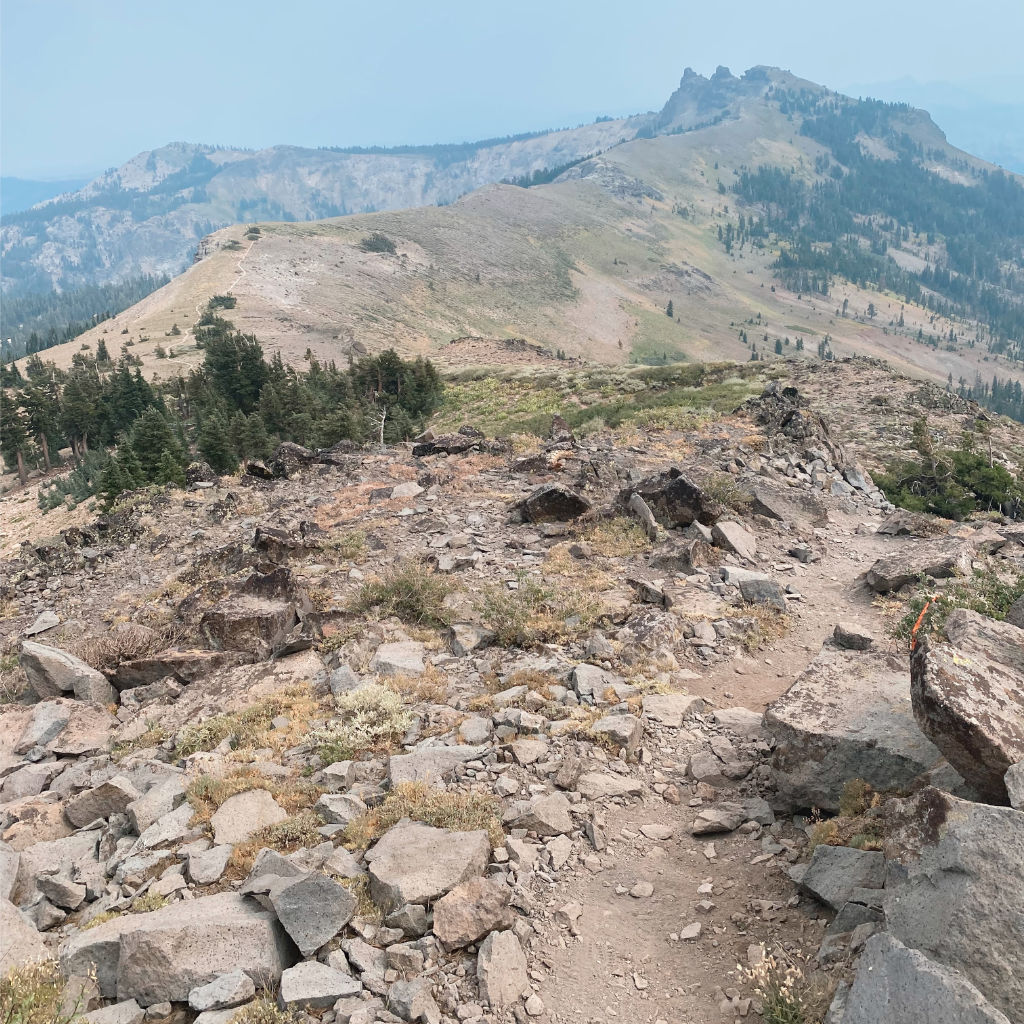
point(315, 986)
point(955, 890)
point(404, 658)
point(470, 911)
point(937, 559)
point(110, 797)
point(312, 908)
point(430, 764)
point(55, 673)
point(836, 872)
point(846, 716)
point(968, 698)
point(674, 499)
point(417, 863)
point(897, 985)
point(164, 955)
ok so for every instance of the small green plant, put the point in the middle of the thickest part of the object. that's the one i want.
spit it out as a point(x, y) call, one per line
point(248, 727)
point(412, 591)
point(724, 489)
point(149, 902)
point(372, 717)
point(160, 352)
point(983, 592)
point(286, 837)
point(349, 546)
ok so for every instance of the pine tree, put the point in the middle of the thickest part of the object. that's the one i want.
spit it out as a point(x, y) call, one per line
point(169, 469)
point(215, 444)
point(14, 438)
point(255, 443)
point(113, 482)
point(669, 311)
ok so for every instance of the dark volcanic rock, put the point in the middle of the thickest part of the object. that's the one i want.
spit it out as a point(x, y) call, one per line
point(552, 503)
point(674, 499)
point(938, 559)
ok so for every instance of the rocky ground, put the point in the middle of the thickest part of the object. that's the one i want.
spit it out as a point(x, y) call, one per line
point(587, 731)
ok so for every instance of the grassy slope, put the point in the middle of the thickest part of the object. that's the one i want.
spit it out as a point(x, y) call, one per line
point(570, 266)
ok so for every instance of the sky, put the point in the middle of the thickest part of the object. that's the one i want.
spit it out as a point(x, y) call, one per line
point(86, 84)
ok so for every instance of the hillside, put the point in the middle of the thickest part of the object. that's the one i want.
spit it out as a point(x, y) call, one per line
point(778, 218)
point(147, 216)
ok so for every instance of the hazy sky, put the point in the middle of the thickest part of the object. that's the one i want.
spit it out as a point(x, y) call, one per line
point(88, 83)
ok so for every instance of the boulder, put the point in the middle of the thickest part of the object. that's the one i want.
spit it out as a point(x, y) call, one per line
point(312, 908)
point(315, 986)
point(547, 815)
point(603, 785)
point(846, 716)
point(20, 943)
point(413, 1001)
point(339, 808)
point(937, 559)
point(399, 659)
point(245, 813)
point(968, 698)
point(723, 817)
point(157, 801)
point(417, 863)
point(671, 709)
point(126, 1012)
point(767, 592)
point(112, 797)
point(835, 872)
point(470, 911)
point(184, 665)
point(466, 637)
point(250, 623)
point(501, 970)
point(620, 732)
point(551, 503)
point(897, 985)
point(955, 889)
point(852, 638)
point(222, 993)
point(430, 764)
point(674, 500)
point(165, 954)
point(55, 673)
point(735, 537)
point(207, 866)
point(1013, 780)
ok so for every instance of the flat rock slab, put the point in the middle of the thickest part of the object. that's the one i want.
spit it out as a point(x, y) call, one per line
point(835, 872)
point(551, 503)
point(243, 814)
point(937, 559)
point(404, 658)
point(603, 785)
point(164, 955)
point(472, 910)
point(501, 970)
point(846, 716)
point(315, 986)
point(430, 764)
point(418, 863)
point(20, 943)
point(52, 672)
point(968, 698)
point(312, 909)
point(671, 709)
point(957, 893)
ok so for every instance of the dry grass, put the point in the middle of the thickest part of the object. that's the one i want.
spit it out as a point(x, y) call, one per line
point(147, 903)
point(207, 792)
point(411, 591)
point(250, 727)
point(126, 642)
point(263, 1011)
point(36, 994)
point(724, 489)
point(854, 825)
point(360, 888)
point(429, 688)
point(536, 612)
point(349, 546)
point(286, 837)
point(533, 679)
point(459, 812)
point(617, 538)
point(768, 624)
point(13, 681)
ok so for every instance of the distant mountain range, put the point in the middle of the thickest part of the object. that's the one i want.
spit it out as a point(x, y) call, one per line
point(751, 217)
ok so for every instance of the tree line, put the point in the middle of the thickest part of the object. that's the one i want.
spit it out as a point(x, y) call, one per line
point(124, 432)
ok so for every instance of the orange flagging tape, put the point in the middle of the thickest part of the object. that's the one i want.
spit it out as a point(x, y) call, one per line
point(917, 625)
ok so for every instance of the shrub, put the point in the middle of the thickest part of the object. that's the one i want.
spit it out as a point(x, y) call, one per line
point(411, 591)
point(37, 994)
point(207, 792)
point(160, 352)
point(724, 489)
point(535, 613)
point(983, 592)
point(372, 717)
point(286, 837)
point(458, 812)
point(263, 1011)
point(377, 241)
point(781, 990)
